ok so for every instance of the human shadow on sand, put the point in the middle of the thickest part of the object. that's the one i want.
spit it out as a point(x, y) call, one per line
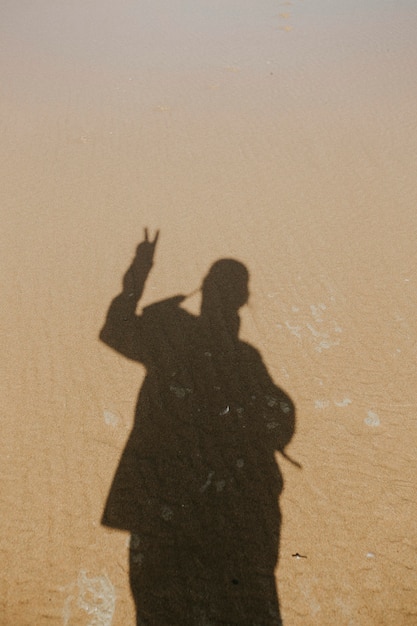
point(198, 484)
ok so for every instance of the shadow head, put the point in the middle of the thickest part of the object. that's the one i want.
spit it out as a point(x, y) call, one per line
point(226, 286)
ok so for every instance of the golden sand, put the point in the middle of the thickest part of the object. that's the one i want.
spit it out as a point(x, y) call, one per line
point(280, 134)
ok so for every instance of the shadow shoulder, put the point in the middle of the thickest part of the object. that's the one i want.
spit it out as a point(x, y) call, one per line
point(167, 312)
point(249, 352)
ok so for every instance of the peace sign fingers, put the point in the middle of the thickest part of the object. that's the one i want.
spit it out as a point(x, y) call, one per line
point(147, 240)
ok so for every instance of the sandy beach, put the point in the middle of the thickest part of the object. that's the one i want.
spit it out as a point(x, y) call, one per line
point(279, 134)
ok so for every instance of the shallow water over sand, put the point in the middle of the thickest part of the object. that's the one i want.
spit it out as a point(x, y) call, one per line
point(279, 134)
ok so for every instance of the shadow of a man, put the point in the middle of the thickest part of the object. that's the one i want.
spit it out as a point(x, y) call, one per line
point(198, 484)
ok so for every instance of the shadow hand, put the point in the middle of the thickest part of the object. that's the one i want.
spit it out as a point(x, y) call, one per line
point(134, 279)
point(146, 251)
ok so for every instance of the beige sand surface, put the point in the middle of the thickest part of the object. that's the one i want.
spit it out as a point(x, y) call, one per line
point(282, 134)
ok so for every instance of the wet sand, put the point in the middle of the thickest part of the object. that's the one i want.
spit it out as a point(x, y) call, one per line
point(279, 134)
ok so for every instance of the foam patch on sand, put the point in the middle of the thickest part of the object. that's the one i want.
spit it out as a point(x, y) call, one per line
point(93, 597)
